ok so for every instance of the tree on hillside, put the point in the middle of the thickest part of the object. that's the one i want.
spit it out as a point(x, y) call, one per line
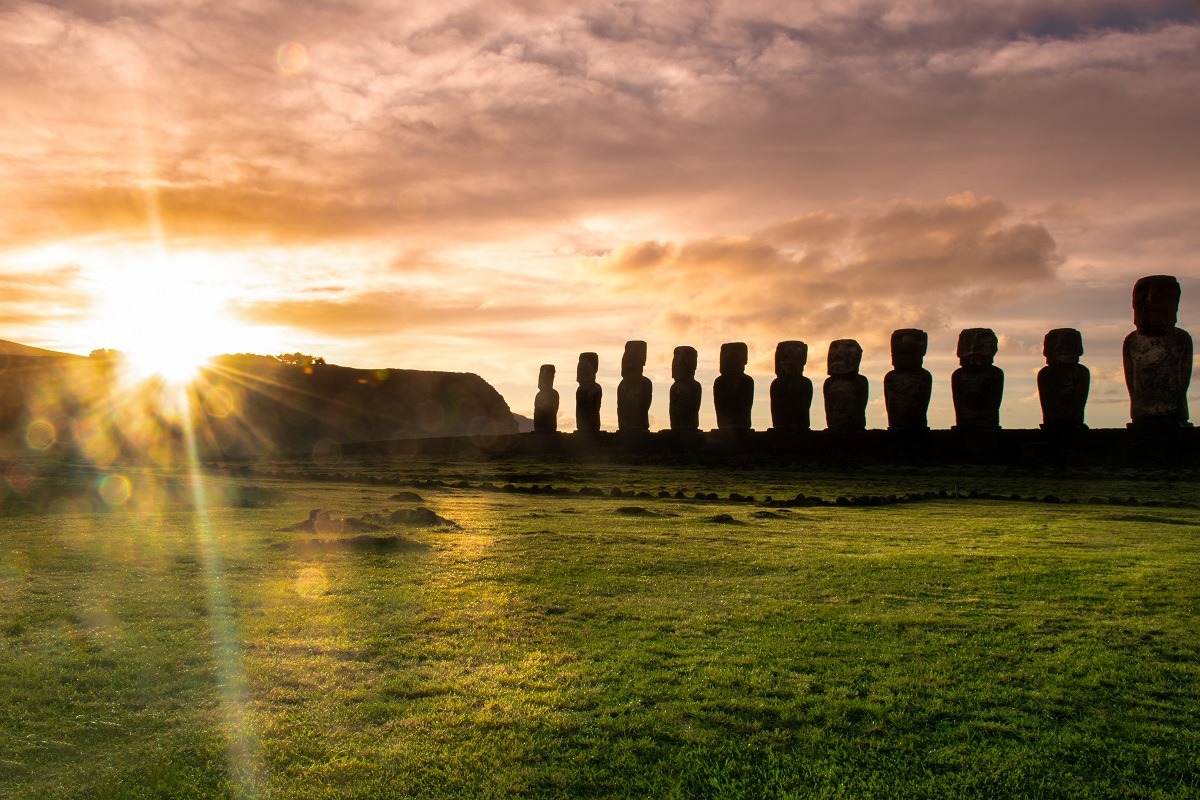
point(300, 359)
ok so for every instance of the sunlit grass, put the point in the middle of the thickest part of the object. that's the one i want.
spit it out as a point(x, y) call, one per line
point(556, 648)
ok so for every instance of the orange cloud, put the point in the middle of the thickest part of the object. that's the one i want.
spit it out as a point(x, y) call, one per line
point(908, 264)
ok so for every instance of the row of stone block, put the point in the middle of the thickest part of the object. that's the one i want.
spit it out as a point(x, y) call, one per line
point(1157, 357)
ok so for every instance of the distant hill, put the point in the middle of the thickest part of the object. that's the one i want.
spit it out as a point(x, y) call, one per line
point(303, 409)
point(524, 423)
point(8, 348)
point(241, 405)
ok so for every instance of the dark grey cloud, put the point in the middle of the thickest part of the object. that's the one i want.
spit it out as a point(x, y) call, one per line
point(523, 112)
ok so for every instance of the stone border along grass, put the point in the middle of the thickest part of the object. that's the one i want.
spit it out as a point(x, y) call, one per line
point(799, 501)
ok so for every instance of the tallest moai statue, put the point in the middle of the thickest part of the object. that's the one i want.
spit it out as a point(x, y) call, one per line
point(1157, 356)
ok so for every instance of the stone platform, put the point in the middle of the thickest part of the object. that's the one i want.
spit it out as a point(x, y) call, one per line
point(1124, 447)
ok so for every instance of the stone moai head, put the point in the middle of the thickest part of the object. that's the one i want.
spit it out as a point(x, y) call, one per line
point(546, 377)
point(683, 363)
point(634, 360)
point(734, 356)
point(1063, 346)
point(977, 347)
point(909, 346)
point(790, 358)
point(585, 371)
point(1155, 304)
point(845, 356)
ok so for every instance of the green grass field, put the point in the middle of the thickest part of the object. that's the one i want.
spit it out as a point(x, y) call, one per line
point(556, 646)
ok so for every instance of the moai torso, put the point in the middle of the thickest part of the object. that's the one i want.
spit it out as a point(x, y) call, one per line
point(978, 385)
point(791, 391)
point(1157, 356)
point(588, 395)
point(685, 390)
point(908, 387)
point(733, 391)
point(845, 390)
point(1063, 384)
point(635, 391)
point(545, 404)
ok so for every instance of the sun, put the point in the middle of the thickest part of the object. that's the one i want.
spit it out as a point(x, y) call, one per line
point(166, 315)
point(173, 357)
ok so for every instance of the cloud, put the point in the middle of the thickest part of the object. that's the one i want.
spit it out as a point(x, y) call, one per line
point(32, 298)
point(912, 262)
point(393, 313)
point(513, 114)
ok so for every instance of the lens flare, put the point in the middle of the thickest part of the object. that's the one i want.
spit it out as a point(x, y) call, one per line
point(292, 58)
point(312, 583)
point(115, 490)
point(218, 402)
point(411, 204)
point(40, 434)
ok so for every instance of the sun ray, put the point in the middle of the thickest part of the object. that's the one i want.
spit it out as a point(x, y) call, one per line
point(245, 766)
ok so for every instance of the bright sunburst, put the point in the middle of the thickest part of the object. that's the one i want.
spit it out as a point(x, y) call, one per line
point(167, 314)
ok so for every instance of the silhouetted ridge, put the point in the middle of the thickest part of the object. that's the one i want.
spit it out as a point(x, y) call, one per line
point(241, 405)
point(305, 408)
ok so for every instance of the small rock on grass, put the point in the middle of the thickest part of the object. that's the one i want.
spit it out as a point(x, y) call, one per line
point(407, 497)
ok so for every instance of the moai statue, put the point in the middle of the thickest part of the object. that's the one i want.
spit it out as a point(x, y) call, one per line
point(635, 391)
point(845, 389)
point(685, 391)
point(791, 392)
point(587, 396)
point(1157, 356)
point(1063, 383)
point(978, 385)
point(907, 388)
point(545, 404)
point(733, 391)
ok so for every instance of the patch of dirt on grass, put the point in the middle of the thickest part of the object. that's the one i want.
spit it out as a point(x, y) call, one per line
point(365, 542)
point(324, 521)
point(724, 519)
point(419, 517)
point(638, 511)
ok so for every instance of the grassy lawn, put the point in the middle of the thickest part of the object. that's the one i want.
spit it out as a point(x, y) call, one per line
point(565, 646)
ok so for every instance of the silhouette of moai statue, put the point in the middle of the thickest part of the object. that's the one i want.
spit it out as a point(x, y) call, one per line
point(733, 390)
point(978, 385)
point(634, 392)
point(545, 404)
point(587, 396)
point(791, 392)
point(908, 386)
point(1157, 356)
point(1063, 383)
point(845, 389)
point(685, 391)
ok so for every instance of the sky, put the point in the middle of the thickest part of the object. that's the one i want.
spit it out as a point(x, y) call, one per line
point(491, 186)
